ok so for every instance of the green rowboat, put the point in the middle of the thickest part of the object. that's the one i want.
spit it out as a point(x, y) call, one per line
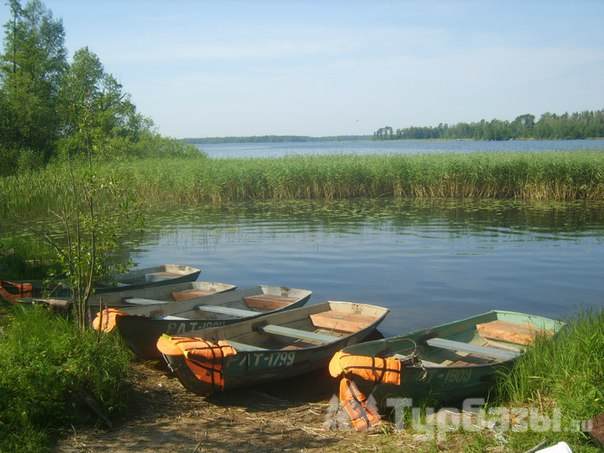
point(269, 348)
point(454, 361)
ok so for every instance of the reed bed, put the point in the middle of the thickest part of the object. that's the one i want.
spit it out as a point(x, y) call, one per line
point(526, 176)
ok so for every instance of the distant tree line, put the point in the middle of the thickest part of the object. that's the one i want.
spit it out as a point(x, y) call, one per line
point(273, 139)
point(577, 125)
point(53, 108)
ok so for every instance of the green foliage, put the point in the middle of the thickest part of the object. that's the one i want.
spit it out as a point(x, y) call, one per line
point(31, 69)
point(23, 257)
point(549, 126)
point(94, 108)
point(568, 370)
point(91, 212)
point(528, 176)
point(52, 109)
point(565, 373)
point(147, 144)
point(47, 365)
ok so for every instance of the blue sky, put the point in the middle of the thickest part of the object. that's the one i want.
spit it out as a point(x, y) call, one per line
point(341, 67)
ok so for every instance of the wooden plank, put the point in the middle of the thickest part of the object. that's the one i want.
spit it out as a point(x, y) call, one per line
point(159, 276)
point(219, 309)
point(298, 334)
point(428, 364)
point(460, 363)
point(509, 332)
point(141, 301)
point(498, 354)
point(345, 322)
point(268, 302)
point(244, 347)
point(189, 294)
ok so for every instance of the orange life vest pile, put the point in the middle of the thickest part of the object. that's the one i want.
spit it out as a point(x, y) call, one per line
point(105, 320)
point(25, 290)
point(362, 413)
point(203, 357)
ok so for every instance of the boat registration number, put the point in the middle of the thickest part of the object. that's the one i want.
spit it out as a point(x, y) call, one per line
point(182, 327)
point(269, 359)
point(458, 376)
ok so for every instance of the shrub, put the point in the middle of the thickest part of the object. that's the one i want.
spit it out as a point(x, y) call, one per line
point(47, 366)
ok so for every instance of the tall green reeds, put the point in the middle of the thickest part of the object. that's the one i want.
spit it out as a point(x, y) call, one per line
point(535, 176)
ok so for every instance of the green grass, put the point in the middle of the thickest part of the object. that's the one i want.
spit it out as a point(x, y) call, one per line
point(46, 363)
point(566, 373)
point(534, 176)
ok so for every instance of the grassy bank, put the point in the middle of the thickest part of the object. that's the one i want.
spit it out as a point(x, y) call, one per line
point(48, 369)
point(538, 176)
point(565, 374)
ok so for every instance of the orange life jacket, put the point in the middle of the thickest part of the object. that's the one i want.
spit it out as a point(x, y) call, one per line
point(203, 357)
point(363, 415)
point(105, 320)
point(386, 370)
point(25, 290)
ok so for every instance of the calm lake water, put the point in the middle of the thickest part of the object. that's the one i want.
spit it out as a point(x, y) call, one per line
point(429, 262)
point(394, 147)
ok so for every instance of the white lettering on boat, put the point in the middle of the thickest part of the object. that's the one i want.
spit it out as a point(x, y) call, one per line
point(183, 327)
point(269, 359)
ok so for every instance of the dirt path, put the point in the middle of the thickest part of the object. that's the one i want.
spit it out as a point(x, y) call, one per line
point(284, 416)
point(163, 416)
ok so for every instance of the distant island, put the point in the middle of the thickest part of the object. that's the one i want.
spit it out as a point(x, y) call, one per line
point(273, 139)
point(550, 126)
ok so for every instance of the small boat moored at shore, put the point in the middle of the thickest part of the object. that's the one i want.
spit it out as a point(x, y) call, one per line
point(149, 277)
point(155, 295)
point(443, 364)
point(142, 325)
point(272, 347)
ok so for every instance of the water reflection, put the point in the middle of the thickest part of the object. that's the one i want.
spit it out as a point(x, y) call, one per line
point(429, 262)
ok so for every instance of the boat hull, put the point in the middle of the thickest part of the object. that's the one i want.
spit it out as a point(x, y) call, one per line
point(445, 384)
point(131, 281)
point(141, 333)
point(248, 368)
point(193, 276)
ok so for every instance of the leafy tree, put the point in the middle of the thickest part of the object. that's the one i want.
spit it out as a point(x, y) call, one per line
point(549, 126)
point(94, 107)
point(31, 67)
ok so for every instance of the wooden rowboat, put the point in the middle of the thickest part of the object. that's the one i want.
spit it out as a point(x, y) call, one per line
point(272, 347)
point(158, 294)
point(141, 326)
point(149, 277)
point(453, 361)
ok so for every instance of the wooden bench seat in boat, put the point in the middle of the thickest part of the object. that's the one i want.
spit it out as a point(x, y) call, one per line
point(219, 309)
point(303, 335)
point(268, 302)
point(188, 294)
point(159, 276)
point(509, 332)
point(492, 353)
point(344, 322)
point(142, 301)
point(244, 347)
